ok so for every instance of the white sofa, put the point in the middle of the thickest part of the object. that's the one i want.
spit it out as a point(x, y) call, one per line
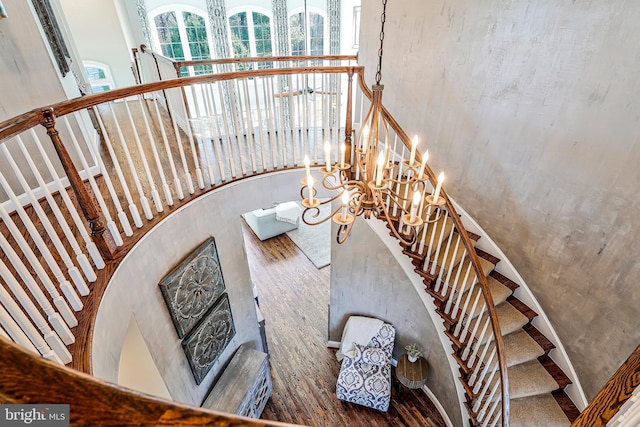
point(263, 222)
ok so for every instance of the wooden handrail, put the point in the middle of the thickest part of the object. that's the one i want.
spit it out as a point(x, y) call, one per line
point(613, 395)
point(475, 262)
point(28, 378)
point(19, 124)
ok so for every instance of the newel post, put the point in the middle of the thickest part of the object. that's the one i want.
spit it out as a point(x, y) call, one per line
point(348, 130)
point(99, 233)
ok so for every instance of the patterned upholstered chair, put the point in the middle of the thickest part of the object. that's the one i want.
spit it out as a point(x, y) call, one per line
point(365, 375)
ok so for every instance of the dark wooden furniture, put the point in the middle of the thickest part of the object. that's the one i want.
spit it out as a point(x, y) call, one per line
point(245, 385)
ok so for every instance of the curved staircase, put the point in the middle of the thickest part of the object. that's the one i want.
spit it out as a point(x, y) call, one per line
point(472, 306)
point(536, 383)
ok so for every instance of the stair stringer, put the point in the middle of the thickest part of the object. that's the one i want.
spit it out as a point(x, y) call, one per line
point(524, 294)
point(379, 227)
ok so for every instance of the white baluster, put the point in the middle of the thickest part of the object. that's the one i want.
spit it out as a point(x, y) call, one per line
point(236, 125)
point(282, 136)
point(194, 153)
point(35, 236)
point(62, 330)
point(483, 412)
point(259, 109)
point(144, 201)
point(487, 383)
point(214, 130)
point(202, 135)
point(444, 261)
point(172, 165)
point(250, 128)
point(71, 208)
point(44, 344)
point(154, 151)
point(270, 119)
point(73, 271)
point(227, 138)
point(452, 265)
point(80, 256)
point(316, 144)
point(478, 341)
point(433, 226)
point(439, 245)
point(122, 216)
point(176, 131)
point(464, 320)
point(53, 317)
point(14, 332)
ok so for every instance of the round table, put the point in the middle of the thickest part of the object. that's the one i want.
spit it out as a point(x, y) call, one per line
point(412, 375)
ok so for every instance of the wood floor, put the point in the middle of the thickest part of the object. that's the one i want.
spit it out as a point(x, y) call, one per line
point(294, 298)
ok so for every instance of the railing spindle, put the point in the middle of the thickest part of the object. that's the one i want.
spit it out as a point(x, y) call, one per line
point(144, 201)
point(133, 209)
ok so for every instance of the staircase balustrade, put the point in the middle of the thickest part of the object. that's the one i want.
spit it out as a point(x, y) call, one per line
point(192, 135)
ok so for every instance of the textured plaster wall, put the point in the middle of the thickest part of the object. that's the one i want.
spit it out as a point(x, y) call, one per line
point(533, 110)
point(367, 280)
point(133, 290)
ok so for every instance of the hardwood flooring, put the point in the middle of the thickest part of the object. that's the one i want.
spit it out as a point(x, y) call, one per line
point(294, 297)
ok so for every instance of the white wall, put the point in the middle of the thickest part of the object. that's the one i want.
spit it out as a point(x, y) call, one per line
point(533, 111)
point(134, 290)
point(99, 36)
point(28, 76)
point(137, 370)
point(367, 280)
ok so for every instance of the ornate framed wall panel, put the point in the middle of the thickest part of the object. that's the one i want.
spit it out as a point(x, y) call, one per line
point(193, 287)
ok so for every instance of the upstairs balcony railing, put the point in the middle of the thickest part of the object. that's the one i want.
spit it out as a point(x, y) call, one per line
point(109, 166)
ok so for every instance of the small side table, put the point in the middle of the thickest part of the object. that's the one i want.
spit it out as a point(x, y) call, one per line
point(412, 375)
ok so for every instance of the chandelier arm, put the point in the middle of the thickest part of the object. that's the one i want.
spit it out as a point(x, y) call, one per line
point(395, 232)
point(327, 186)
point(345, 230)
point(395, 199)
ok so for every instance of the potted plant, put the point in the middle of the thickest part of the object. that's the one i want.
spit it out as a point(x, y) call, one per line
point(413, 352)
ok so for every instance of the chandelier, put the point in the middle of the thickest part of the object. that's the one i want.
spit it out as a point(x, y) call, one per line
point(377, 185)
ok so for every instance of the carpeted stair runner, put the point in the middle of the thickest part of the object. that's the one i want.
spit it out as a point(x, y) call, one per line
point(530, 383)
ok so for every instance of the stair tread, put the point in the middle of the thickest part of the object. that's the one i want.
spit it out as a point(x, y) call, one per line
point(509, 317)
point(521, 348)
point(530, 379)
point(443, 221)
point(499, 293)
point(463, 285)
point(537, 411)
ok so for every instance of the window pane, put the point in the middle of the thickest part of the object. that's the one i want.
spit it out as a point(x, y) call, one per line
point(297, 30)
point(239, 34)
point(196, 30)
point(316, 33)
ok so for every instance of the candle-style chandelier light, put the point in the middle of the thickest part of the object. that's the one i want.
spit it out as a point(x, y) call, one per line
point(377, 185)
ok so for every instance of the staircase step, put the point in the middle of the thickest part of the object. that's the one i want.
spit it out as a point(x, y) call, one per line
point(537, 411)
point(450, 261)
point(521, 348)
point(437, 227)
point(509, 317)
point(461, 284)
point(530, 379)
point(498, 291)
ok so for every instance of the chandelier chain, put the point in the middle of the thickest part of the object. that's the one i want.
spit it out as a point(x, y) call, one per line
point(383, 18)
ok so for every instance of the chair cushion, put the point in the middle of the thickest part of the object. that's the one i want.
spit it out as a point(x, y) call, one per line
point(370, 355)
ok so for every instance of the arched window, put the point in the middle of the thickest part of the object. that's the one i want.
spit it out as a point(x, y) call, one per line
point(99, 76)
point(307, 34)
point(182, 35)
point(250, 34)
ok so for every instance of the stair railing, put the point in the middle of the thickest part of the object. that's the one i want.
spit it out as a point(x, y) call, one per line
point(608, 407)
point(204, 143)
point(446, 257)
point(94, 402)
